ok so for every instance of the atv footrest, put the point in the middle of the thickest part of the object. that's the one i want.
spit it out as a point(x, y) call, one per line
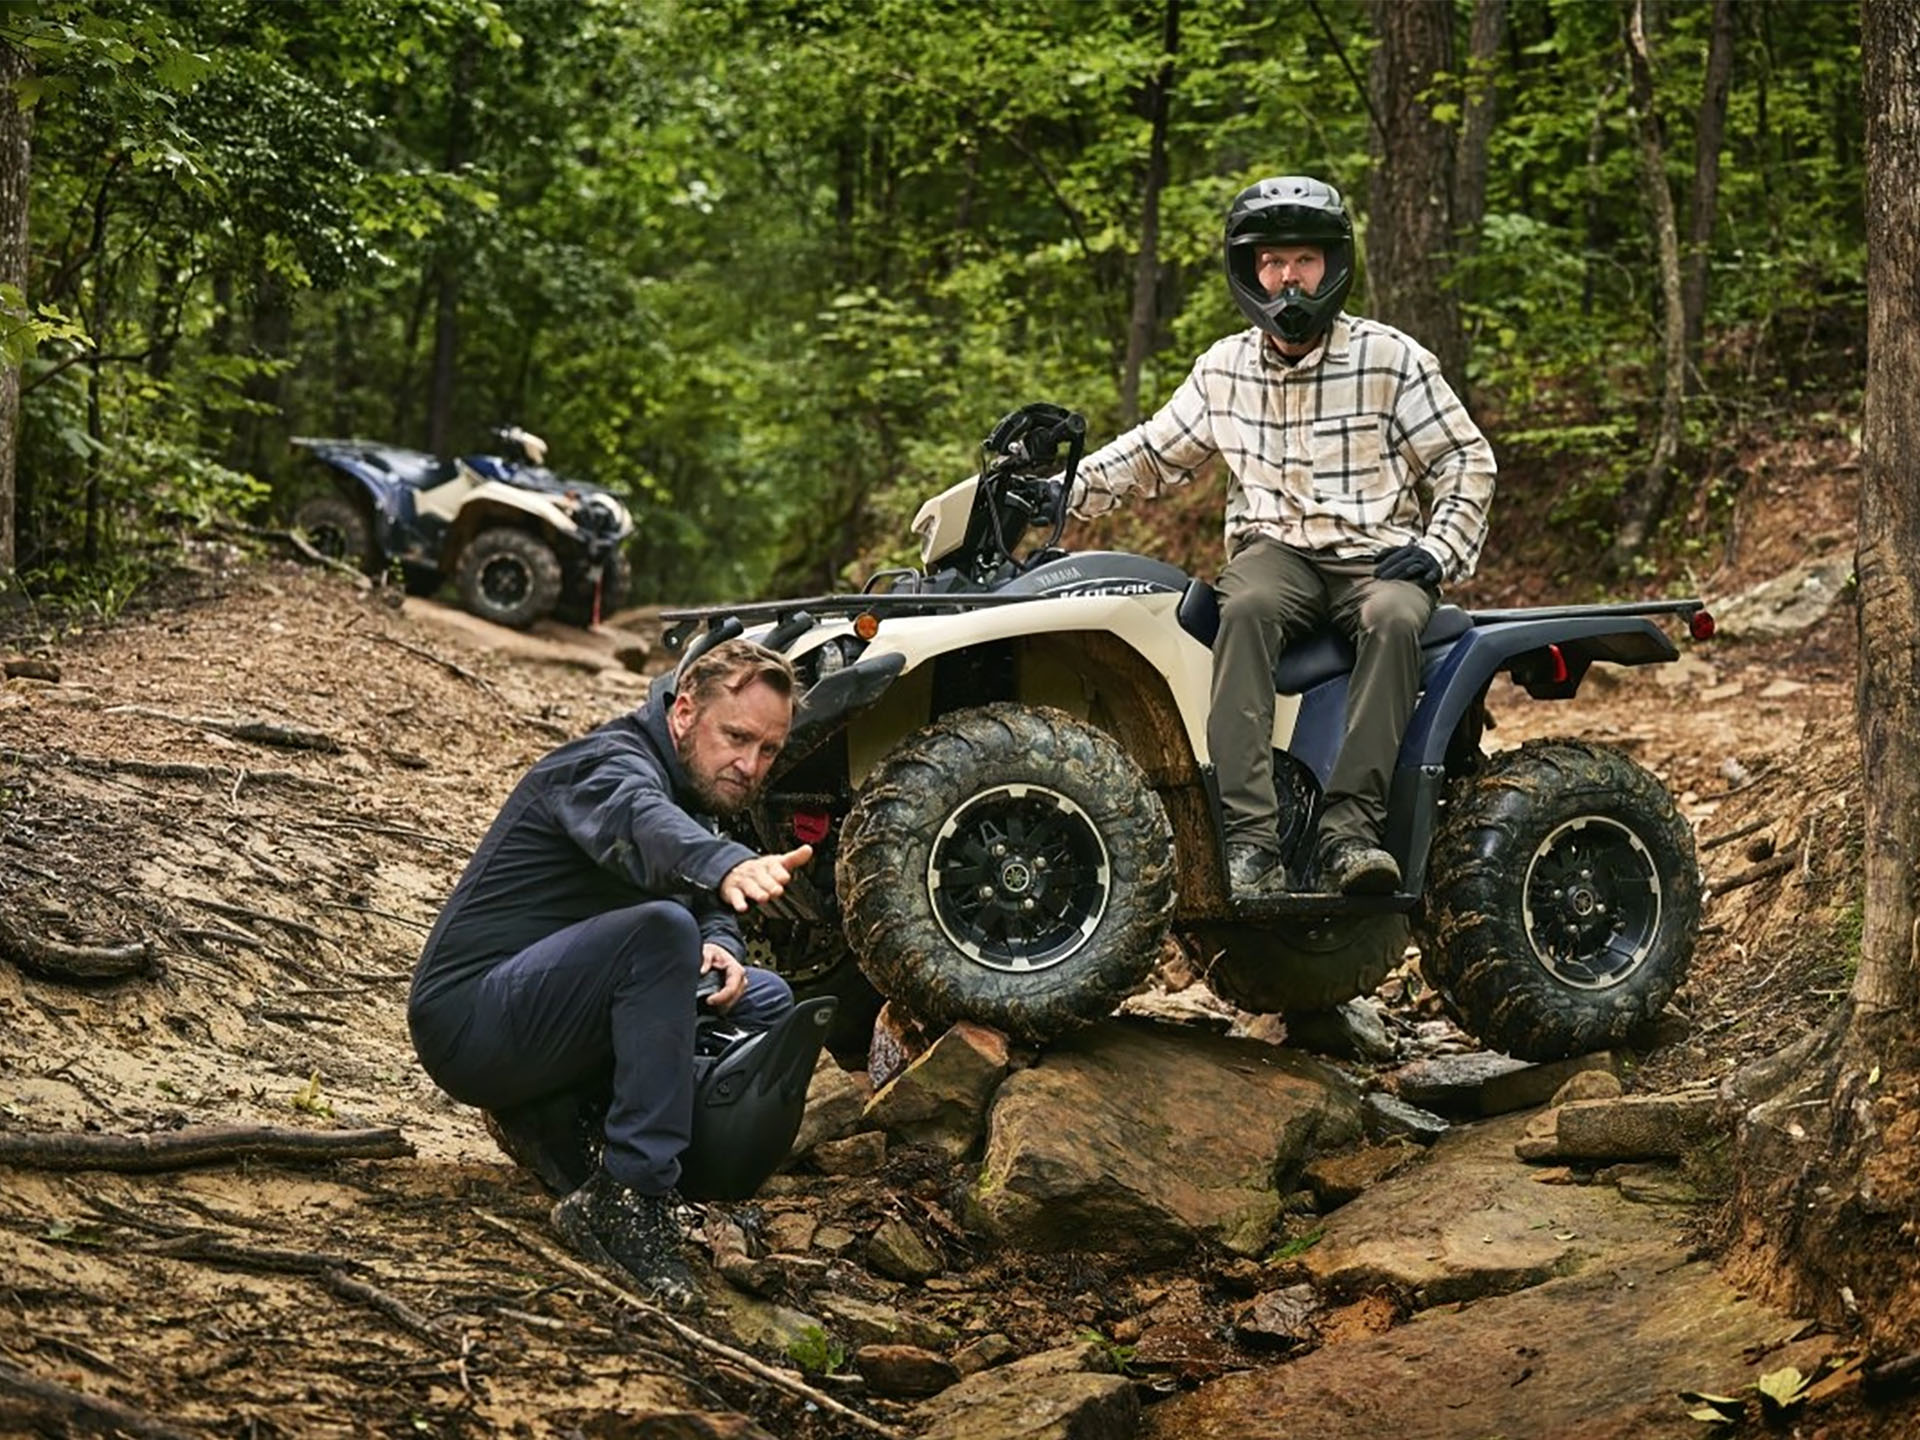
point(1310, 905)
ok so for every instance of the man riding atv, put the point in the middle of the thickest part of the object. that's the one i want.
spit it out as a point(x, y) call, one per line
point(1333, 429)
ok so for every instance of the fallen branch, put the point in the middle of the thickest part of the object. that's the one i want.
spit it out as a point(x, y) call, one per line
point(240, 912)
point(214, 1251)
point(61, 1407)
point(705, 1343)
point(299, 544)
point(379, 914)
point(198, 1145)
point(57, 960)
point(156, 770)
point(1732, 835)
point(1778, 865)
point(259, 732)
point(396, 1310)
point(452, 667)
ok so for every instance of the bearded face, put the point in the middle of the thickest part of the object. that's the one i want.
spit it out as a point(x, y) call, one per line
point(728, 744)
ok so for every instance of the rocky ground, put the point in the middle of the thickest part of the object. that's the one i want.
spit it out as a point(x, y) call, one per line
point(267, 778)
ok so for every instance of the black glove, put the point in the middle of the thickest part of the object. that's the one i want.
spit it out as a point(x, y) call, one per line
point(1408, 562)
point(1042, 496)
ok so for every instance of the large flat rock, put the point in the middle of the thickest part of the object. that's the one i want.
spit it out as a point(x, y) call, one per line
point(1470, 1220)
point(1600, 1355)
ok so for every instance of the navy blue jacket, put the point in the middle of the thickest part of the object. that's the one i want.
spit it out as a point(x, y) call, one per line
point(600, 824)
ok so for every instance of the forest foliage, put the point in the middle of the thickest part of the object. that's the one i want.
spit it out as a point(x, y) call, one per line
point(770, 268)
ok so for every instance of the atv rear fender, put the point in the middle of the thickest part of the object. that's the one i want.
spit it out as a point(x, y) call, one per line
point(1549, 656)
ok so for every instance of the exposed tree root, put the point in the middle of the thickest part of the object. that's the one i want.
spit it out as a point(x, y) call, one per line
point(57, 960)
point(57, 1407)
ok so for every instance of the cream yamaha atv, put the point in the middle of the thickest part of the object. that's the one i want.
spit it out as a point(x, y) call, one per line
point(518, 541)
point(1001, 761)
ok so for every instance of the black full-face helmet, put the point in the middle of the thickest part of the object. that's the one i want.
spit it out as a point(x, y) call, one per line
point(1289, 210)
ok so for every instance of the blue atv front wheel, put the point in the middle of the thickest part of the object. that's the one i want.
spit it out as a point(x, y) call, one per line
point(1563, 901)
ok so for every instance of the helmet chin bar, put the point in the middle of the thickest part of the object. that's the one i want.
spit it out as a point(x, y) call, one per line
point(1294, 320)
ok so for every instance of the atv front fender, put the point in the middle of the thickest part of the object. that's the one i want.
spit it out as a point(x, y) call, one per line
point(834, 699)
point(1529, 648)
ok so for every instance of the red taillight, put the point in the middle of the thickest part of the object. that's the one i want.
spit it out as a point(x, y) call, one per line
point(810, 826)
point(1700, 625)
point(1559, 665)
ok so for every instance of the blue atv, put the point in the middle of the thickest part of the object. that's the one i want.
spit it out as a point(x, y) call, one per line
point(518, 541)
point(1001, 761)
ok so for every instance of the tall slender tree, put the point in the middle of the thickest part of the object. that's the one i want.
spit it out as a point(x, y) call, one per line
point(1410, 225)
point(1146, 266)
point(16, 156)
point(1644, 501)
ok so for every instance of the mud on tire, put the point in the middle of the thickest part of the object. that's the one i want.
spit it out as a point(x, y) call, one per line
point(340, 530)
point(1008, 865)
point(1563, 901)
point(508, 576)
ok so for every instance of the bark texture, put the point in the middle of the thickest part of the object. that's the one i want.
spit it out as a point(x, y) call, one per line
point(1644, 502)
point(15, 165)
point(1829, 1191)
point(1146, 270)
point(1889, 541)
point(1410, 231)
point(1708, 132)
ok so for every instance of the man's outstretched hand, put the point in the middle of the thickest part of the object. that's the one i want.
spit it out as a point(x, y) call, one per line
point(1408, 562)
point(763, 878)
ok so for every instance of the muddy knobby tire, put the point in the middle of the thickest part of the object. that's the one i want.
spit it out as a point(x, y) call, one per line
point(1563, 901)
point(511, 577)
point(984, 812)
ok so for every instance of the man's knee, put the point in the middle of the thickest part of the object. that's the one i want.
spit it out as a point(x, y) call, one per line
point(659, 933)
point(1396, 610)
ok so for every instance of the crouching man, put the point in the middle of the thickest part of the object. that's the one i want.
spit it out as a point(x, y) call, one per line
point(568, 955)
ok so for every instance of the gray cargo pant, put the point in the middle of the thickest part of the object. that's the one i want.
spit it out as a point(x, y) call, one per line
point(1271, 596)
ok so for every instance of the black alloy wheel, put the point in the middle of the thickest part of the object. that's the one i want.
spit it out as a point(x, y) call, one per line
point(1019, 877)
point(1591, 902)
point(1007, 865)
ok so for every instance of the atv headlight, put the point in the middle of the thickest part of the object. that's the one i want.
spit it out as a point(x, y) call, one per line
point(599, 515)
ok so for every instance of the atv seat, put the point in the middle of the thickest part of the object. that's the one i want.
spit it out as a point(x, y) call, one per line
point(1322, 655)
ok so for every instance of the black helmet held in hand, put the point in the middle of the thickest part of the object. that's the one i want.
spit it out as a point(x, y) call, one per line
point(1289, 210)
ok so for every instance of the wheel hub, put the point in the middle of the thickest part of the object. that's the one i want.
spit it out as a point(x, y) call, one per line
point(1019, 877)
point(505, 581)
point(1592, 902)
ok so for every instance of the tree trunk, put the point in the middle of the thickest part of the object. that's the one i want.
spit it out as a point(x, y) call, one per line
point(1146, 272)
point(446, 284)
point(16, 157)
point(1644, 502)
point(1476, 126)
point(1708, 133)
point(1888, 563)
point(1826, 1182)
point(1411, 230)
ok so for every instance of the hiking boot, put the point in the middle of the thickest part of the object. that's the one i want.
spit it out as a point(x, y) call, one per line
point(1252, 871)
point(623, 1230)
point(1352, 866)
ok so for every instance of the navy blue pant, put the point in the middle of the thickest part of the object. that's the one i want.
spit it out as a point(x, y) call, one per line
point(607, 1000)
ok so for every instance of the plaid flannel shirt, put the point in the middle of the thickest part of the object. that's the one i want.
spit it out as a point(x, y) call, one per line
point(1336, 455)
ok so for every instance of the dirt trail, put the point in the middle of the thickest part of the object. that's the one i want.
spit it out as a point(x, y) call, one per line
point(286, 893)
